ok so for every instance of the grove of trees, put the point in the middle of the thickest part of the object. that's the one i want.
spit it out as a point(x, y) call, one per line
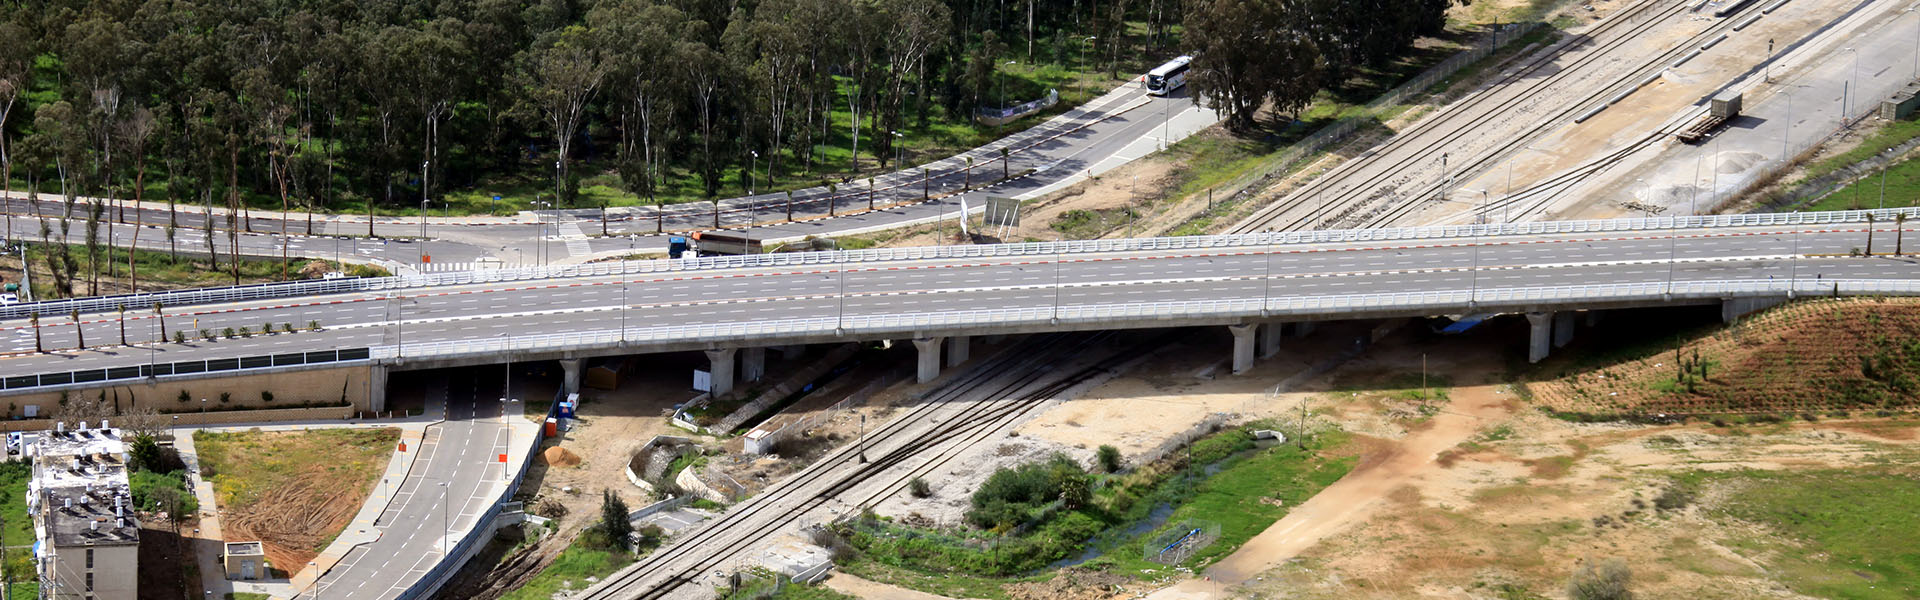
point(1254, 53)
point(309, 102)
point(336, 105)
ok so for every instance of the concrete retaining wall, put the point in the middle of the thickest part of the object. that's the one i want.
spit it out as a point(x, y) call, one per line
point(289, 388)
point(331, 413)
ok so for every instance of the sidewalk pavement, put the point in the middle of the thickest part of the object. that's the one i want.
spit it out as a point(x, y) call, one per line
point(209, 543)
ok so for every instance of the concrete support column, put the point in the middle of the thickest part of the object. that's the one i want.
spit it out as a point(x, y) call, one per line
point(929, 358)
point(1731, 309)
point(572, 367)
point(1540, 339)
point(1243, 338)
point(753, 363)
point(957, 349)
point(720, 364)
point(1270, 339)
point(377, 388)
point(1563, 323)
point(1303, 328)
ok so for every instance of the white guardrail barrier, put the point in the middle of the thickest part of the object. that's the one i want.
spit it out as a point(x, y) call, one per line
point(145, 301)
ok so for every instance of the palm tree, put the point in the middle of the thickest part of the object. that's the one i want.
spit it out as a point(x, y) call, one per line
point(1869, 234)
point(1899, 232)
point(77, 333)
point(35, 319)
point(163, 321)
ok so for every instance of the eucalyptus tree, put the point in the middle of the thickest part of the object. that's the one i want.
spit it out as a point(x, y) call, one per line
point(559, 81)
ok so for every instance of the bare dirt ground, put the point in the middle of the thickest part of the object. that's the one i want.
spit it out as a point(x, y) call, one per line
point(1522, 514)
point(611, 424)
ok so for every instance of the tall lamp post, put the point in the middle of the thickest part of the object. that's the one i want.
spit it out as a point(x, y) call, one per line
point(1852, 89)
point(423, 211)
point(446, 525)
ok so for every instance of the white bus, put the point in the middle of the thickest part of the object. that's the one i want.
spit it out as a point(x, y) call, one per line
point(1166, 78)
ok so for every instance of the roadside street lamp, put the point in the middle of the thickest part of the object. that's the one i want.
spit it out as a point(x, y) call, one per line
point(423, 211)
point(1485, 198)
point(446, 526)
point(316, 578)
point(899, 138)
point(1506, 210)
point(506, 351)
point(540, 252)
point(752, 166)
point(1852, 89)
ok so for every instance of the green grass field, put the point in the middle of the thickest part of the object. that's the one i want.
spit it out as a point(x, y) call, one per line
point(18, 529)
point(1237, 497)
point(1835, 533)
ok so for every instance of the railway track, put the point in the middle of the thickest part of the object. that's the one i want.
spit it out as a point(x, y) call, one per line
point(1355, 194)
point(1002, 389)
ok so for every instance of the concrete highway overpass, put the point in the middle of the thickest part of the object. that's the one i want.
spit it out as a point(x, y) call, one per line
point(736, 307)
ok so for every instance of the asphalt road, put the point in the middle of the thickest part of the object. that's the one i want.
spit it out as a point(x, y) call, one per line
point(492, 311)
point(1081, 140)
point(454, 479)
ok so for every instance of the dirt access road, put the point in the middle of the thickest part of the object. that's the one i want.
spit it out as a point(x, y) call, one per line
point(1356, 497)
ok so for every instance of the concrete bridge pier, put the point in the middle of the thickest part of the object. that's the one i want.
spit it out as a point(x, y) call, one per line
point(1539, 340)
point(929, 367)
point(959, 348)
point(721, 367)
point(572, 367)
point(1243, 342)
point(1563, 323)
point(1304, 328)
point(753, 363)
point(1270, 335)
point(1731, 309)
point(377, 388)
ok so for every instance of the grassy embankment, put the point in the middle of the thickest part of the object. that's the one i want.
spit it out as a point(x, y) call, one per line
point(1815, 358)
point(1901, 179)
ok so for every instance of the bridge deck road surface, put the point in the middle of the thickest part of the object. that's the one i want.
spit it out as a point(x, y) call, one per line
point(461, 453)
point(1121, 126)
point(501, 310)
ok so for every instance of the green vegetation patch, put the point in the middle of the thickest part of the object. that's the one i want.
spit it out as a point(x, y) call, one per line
point(1840, 533)
point(809, 592)
point(18, 529)
point(570, 571)
point(147, 491)
point(1032, 518)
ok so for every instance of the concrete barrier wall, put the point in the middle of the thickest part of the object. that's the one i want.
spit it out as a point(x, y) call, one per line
point(331, 413)
point(289, 388)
